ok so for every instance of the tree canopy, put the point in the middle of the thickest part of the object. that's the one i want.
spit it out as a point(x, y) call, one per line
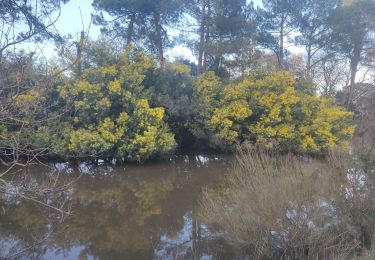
point(121, 96)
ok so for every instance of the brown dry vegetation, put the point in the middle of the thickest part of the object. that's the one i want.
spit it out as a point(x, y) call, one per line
point(275, 206)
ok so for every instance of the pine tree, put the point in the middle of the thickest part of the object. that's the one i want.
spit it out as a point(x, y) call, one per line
point(145, 21)
point(277, 23)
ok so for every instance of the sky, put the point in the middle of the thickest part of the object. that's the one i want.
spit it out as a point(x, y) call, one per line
point(76, 16)
point(70, 19)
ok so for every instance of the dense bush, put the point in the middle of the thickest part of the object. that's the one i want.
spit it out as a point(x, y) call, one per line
point(112, 115)
point(119, 103)
point(273, 111)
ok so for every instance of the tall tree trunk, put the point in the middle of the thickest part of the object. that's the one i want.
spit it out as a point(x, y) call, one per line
point(1, 74)
point(202, 36)
point(129, 34)
point(353, 73)
point(281, 42)
point(354, 62)
point(79, 53)
point(309, 57)
point(159, 38)
point(207, 36)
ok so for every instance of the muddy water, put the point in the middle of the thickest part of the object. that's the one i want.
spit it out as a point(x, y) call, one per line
point(148, 211)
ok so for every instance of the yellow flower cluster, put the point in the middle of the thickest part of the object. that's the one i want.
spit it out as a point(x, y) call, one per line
point(112, 112)
point(272, 112)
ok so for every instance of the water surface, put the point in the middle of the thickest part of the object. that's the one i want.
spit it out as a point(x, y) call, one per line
point(148, 211)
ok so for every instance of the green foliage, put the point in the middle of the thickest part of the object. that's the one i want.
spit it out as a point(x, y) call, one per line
point(206, 94)
point(28, 20)
point(112, 115)
point(272, 112)
point(123, 105)
point(144, 20)
point(353, 34)
point(312, 23)
point(232, 32)
point(172, 88)
point(277, 22)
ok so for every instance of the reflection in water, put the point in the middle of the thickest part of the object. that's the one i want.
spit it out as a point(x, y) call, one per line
point(119, 212)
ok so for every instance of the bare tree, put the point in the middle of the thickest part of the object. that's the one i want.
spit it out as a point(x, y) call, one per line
point(330, 74)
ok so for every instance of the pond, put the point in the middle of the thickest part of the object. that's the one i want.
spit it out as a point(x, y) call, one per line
point(148, 211)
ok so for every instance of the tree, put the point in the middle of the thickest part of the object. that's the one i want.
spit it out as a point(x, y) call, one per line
point(330, 74)
point(127, 16)
point(277, 23)
point(313, 27)
point(24, 83)
point(27, 20)
point(352, 26)
point(232, 34)
point(23, 21)
point(26, 102)
point(199, 11)
point(364, 141)
point(145, 19)
point(226, 31)
point(25, 105)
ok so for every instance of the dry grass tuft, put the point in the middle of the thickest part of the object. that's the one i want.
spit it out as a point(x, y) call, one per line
point(277, 206)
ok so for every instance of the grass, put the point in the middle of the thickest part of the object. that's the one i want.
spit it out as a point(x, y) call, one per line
point(273, 206)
